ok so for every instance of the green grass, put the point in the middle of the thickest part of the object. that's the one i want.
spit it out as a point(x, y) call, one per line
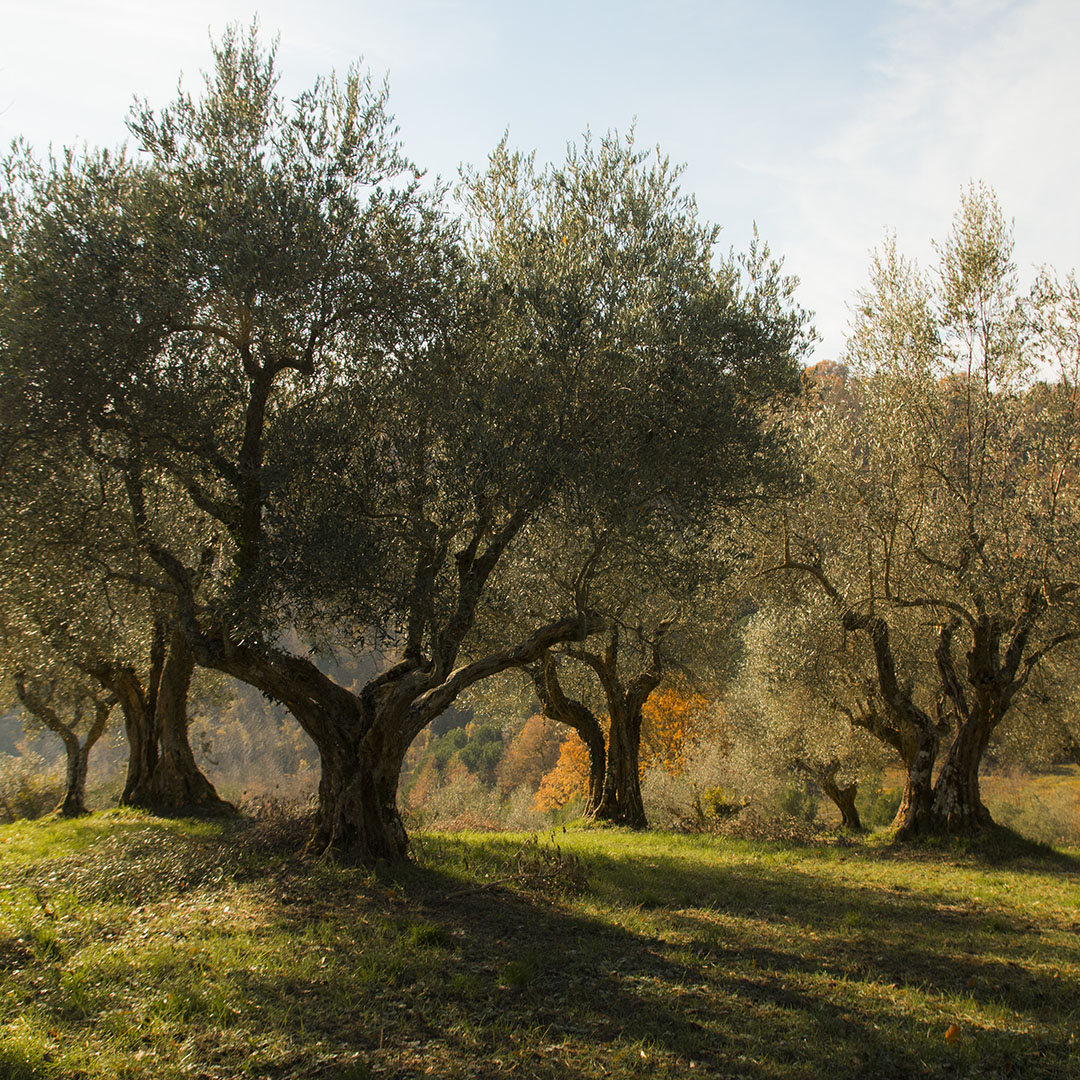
point(136, 947)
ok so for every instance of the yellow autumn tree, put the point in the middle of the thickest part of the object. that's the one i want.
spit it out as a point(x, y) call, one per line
point(673, 721)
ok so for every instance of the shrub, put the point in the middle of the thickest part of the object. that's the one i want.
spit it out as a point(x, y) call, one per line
point(799, 801)
point(29, 787)
point(877, 806)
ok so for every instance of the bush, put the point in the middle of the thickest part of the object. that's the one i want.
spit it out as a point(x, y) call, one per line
point(458, 800)
point(877, 806)
point(676, 802)
point(799, 801)
point(29, 787)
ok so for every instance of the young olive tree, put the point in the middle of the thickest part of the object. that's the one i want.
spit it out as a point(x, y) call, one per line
point(59, 699)
point(806, 700)
point(76, 613)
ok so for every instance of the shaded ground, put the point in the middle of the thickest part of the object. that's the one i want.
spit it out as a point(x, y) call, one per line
point(147, 949)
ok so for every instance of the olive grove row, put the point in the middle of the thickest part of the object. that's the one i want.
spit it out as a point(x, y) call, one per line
point(263, 384)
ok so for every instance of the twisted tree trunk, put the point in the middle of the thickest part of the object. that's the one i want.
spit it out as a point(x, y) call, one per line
point(140, 727)
point(958, 807)
point(558, 707)
point(906, 727)
point(362, 737)
point(176, 785)
point(162, 775)
point(842, 797)
point(622, 803)
point(77, 754)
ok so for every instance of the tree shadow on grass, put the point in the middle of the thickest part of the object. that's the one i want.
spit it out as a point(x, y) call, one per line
point(487, 960)
point(998, 846)
point(502, 978)
point(790, 919)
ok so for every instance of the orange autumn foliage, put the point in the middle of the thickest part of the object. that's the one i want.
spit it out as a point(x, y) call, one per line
point(533, 752)
point(569, 778)
point(673, 721)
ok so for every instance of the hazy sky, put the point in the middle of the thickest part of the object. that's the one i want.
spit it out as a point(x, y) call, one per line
point(825, 122)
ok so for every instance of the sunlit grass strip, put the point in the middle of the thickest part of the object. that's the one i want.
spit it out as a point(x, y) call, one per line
point(589, 953)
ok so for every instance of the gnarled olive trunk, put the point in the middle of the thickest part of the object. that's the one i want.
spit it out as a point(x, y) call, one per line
point(162, 775)
point(361, 744)
point(597, 773)
point(904, 726)
point(919, 751)
point(176, 784)
point(958, 807)
point(140, 727)
point(622, 803)
point(842, 797)
point(563, 710)
point(362, 737)
point(358, 813)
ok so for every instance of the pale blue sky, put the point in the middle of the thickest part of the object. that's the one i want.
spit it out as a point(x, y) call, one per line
point(825, 122)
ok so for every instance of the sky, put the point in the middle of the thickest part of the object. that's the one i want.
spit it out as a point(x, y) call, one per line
point(828, 123)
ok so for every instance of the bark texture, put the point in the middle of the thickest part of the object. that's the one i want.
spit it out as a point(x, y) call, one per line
point(362, 737)
point(162, 775)
point(621, 803)
point(903, 725)
point(842, 797)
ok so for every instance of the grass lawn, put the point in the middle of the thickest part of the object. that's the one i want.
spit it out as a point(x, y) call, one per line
point(136, 947)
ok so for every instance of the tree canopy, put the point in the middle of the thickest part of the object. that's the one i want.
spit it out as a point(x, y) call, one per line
point(331, 407)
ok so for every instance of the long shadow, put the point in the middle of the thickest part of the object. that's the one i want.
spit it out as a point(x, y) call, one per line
point(513, 964)
point(436, 965)
point(542, 976)
point(999, 847)
point(903, 938)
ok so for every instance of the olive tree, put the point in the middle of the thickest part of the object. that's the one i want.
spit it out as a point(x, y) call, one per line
point(686, 358)
point(942, 509)
point(79, 613)
point(67, 703)
point(365, 408)
point(806, 701)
